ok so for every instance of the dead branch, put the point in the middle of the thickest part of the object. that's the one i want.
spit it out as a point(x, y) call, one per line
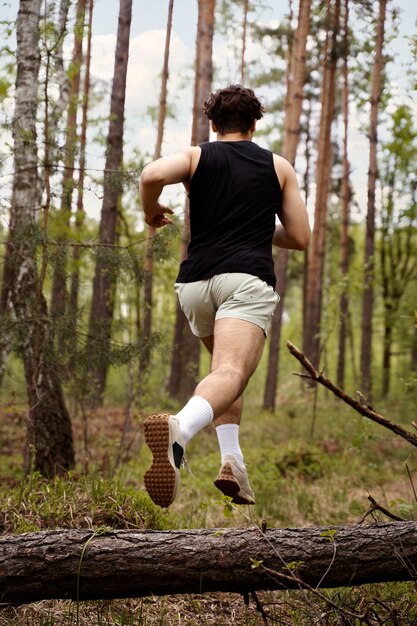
point(361, 407)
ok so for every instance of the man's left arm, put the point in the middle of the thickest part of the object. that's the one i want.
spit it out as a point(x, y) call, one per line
point(293, 231)
point(166, 171)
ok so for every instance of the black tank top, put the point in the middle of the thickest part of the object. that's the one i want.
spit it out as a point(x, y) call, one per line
point(234, 197)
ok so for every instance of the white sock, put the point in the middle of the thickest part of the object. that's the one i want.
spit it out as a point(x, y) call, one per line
point(196, 414)
point(228, 436)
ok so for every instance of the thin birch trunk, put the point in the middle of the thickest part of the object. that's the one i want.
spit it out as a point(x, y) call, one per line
point(54, 57)
point(368, 296)
point(104, 286)
point(80, 214)
point(59, 283)
point(59, 105)
point(49, 445)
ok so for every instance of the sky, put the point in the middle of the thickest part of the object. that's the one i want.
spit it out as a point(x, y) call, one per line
point(145, 63)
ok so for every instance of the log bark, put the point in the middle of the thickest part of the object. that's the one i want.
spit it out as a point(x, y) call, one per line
point(78, 564)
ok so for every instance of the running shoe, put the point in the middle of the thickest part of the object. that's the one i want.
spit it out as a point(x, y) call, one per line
point(233, 481)
point(162, 435)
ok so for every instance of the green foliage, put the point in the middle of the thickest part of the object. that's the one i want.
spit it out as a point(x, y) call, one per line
point(77, 501)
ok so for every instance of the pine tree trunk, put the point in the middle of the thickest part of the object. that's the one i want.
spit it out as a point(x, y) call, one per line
point(49, 447)
point(82, 565)
point(367, 300)
point(59, 282)
point(344, 231)
point(293, 106)
point(104, 285)
point(148, 264)
point(187, 347)
point(315, 269)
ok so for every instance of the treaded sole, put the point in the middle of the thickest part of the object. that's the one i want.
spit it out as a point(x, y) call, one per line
point(160, 479)
point(229, 486)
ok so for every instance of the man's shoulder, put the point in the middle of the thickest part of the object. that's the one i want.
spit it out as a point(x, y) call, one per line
point(282, 164)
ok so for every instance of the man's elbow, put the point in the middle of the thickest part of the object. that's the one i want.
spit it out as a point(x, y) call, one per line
point(150, 175)
point(305, 240)
point(301, 240)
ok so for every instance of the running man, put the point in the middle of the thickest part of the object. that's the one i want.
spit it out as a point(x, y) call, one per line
point(226, 286)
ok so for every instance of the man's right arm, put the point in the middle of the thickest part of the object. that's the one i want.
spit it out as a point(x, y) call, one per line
point(294, 230)
point(177, 168)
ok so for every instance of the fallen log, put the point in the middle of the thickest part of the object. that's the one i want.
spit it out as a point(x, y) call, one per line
point(85, 565)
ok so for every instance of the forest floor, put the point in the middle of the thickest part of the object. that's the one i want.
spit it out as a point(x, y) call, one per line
point(306, 470)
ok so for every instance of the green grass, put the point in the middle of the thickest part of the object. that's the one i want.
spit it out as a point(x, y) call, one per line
point(298, 479)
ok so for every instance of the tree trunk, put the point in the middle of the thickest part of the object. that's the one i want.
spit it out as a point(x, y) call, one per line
point(386, 352)
point(293, 106)
point(49, 436)
point(315, 269)
point(59, 282)
point(104, 286)
point(59, 105)
point(244, 35)
point(79, 564)
point(148, 264)
point(367, 300)
point(271, 383)
point(80, 214)
point(54, 55)
point(344, 231)
point(186, 346)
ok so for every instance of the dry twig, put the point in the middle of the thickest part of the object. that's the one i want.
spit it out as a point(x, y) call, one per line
point(362, 408)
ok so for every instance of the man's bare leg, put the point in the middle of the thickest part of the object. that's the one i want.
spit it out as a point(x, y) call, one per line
point(237, 348)
point(234, 413)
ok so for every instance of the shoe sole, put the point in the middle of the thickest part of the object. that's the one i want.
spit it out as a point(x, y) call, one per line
point(229, 486)
point(160, 479)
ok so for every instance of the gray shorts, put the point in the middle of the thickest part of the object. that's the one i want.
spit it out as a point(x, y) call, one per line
point(242, 296)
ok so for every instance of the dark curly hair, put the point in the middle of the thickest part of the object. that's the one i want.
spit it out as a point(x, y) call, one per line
point(233, 109)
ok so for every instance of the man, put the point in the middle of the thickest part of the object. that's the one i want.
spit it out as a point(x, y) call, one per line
point(226, 284)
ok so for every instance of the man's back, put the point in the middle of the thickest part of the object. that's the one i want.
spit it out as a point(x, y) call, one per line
point(234, 197)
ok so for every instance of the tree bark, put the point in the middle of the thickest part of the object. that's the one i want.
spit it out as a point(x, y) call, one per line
point(49, 437)
point(367, 299)
point(344, 229)
point(77, 564)
point(59, 283)
point(105, 280)
point(80, 214)
point(293, 106)
point(316, 252)
point(186, 347)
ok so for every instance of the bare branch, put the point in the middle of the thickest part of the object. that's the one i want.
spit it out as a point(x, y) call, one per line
point(360, 407)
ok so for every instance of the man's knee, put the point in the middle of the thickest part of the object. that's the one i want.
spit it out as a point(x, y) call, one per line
point(228, 370)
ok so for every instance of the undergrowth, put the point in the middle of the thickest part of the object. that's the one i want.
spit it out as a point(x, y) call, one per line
point(300, 478)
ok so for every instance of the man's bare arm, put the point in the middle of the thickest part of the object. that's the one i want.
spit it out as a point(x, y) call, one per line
point(294, 230)
point(166, 171)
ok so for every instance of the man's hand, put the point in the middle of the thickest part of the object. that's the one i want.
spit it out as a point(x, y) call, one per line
point(158, 219)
